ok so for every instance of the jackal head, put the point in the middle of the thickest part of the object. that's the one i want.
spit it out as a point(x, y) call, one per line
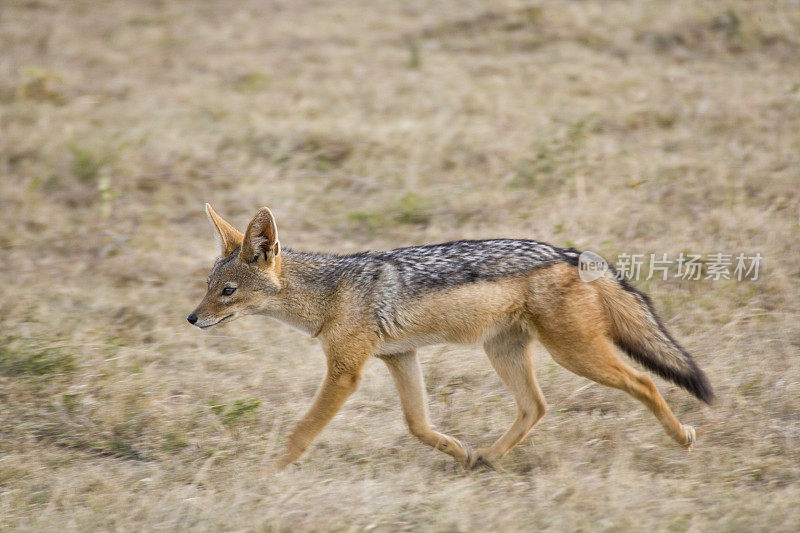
point(245, 279)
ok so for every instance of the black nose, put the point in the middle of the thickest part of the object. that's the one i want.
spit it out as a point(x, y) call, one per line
point(192, 318)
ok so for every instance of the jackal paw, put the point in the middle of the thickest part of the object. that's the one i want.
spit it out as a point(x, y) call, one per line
point(469, 454)
point(691, 436)
point(479, 459)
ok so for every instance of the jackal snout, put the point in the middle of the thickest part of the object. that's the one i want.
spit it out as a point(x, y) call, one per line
point(214, 309)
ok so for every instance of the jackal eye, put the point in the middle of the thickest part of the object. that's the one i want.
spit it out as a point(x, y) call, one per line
point(227, 291)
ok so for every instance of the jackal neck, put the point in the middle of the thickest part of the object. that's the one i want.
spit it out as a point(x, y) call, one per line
point(309, 283)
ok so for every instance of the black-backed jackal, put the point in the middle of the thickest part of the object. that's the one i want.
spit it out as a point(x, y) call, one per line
point(505, 294)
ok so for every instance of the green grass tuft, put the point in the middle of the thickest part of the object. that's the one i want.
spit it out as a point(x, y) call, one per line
point(29, 357)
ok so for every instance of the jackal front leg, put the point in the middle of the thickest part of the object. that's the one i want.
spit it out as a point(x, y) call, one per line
point(408, 379)
point(344, 373)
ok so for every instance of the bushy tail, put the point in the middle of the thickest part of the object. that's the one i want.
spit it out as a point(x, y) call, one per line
point(637, 330)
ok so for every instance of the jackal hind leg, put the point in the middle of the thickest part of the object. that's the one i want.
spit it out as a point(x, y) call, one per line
point(407, 375)
point(510, 353)
point(596, 358)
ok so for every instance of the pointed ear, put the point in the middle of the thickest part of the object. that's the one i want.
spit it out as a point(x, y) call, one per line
point(228, 237)
point(261, 238)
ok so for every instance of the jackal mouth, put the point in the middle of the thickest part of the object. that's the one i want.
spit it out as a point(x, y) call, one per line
point(220, 321)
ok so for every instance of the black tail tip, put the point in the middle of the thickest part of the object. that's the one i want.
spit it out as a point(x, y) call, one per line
point(700, 387)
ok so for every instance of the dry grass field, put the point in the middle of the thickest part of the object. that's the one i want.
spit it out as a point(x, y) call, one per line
point(618, 127)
